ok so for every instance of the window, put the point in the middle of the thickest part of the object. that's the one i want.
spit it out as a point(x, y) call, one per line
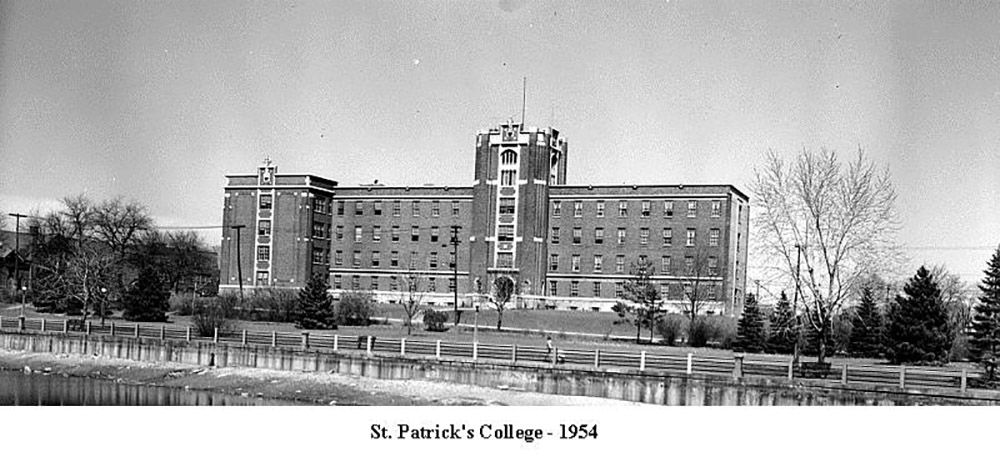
point(376, 233)
point(432, 285)
point(394, 259)
point(396, 205)
point(451, 260)
point(600, 209)
point(394, 233)
point(376, 259)
point(435, 208)
point(668, 237)
point(713, 266)
point(713, 237)
point(643, 236)
point(359, 208)
point(432, 261)
point(619, 290)
point(338, 258)
point(263, 253)
point(665, 265)
point(266, 202)
point(393, 283)
point(623, 209)
point(598, 263)
point(318, 256)
point(597, 289)
point(319, 231)
point(644, 262)
point(505, 233)
point(415, 209)
point(689, 265)
point(455, 211)
point(716, 208)
point(262, 278)
point(574, 288)
point(506, 205)
point(355, 282)
point(688, 291)
point(712, 293)
point(435, 233)
point(340, 208)
point(357, 234)
point(415, 233)
point(620, 263)
point(338, 282)
point(264, 228)
point(554, 262)
point(320, 205)
point(556, 208)
point(340, 232)
point(645, 209)
point(575, 263)
point(690, 237)
point(555, 234)
point(507, 178)
point(505, 260)
point(692, 209)
point(621, 236)
point(374, 283)
point(377, 208)
point(553, 288)
point(577, 235)
point(508, 157)
point(356, 260)
point(664, 290)
point(668, 209)
point(413, 260)
point(577, 209)
point(598, 235)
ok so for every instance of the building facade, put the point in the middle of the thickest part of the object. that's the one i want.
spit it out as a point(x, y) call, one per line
point(563, 246)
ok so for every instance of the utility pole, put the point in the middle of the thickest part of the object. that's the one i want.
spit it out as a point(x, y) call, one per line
point(239, 259)
point(454, 242)
point(795, 304)
point(757, 281)
point(17, 258)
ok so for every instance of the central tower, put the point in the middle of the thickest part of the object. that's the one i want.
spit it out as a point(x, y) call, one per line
point(514, 168)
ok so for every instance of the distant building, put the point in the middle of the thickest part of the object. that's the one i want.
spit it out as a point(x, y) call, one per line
point(563, 246)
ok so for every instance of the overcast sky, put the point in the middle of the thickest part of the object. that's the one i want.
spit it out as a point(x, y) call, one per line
point(157, 100)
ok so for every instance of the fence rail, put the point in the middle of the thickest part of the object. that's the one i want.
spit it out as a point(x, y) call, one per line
point(737, 366)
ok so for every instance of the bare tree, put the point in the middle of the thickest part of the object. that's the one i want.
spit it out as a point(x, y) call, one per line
point(958, 298)
point(696, 285)
point(88, 276)
point(411, 297)
point(119, 224)
point(644, 293)
point(503, 292)
point(825, 226)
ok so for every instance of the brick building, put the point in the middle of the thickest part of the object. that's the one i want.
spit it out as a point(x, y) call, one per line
point(563, 246)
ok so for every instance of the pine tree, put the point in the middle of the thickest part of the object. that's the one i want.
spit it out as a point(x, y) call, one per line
point(750, 335)
point(986, 321)
point(781, 338)
point(315, 307)
point(867, 328)
point(148, 299)
point(917, 329)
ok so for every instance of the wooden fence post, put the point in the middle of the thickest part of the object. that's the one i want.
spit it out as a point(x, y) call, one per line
point(305, 341)
point(965, 379)
point(187, 334)
point(136, 330)
point(215, 335)
point(843, 375)
point(369, 346)
point(20, 324)
point(690, 366)
point(513, 354)
point(475, 351)
point(65, 326)
point(112, 328)
point(1, 321)
point(597, 359)
point(274, 338)
point(791, 369)
point(555, 356)
point(336, 341)
point(163, 332)
point(437, 349)
point(902, 376)
point(642, 360)
point(738, 367)
point(43, 325)
point(244, 337)
point(88, 328)
point(402, 346)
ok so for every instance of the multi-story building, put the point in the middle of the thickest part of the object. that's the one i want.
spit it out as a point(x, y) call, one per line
point(562, 246)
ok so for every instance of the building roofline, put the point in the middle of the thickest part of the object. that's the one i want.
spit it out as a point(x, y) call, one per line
point(276, 175)
point(593, 186)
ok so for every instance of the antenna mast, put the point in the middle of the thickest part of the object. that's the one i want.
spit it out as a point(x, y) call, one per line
point(524, 98)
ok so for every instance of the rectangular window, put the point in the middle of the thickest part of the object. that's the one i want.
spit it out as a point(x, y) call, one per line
point(263, 253)
point(506, 206)
point(713, 266)
point(318, 255)
point(692, 209)
point(688, 291)
point(451, 260)
point(435, 233)
point(393, 283)
point(374, 283)
point(262, 278)
point(264, 228)
point(376, 259)
point(712, 293)
point(338, 258)
point(507, 178)
point(621, 236)
point(598, 235)
point(338, 282)
point(505, 260)
point(555, 234)
point(713, 237)
point(435, 208)
point(646, 207)
point(432, 261)
point(414, 256)
point(554, 262)
point(356, 260)
point(376, 233)
point(553, 288)
point(359, 208)
point(394, 259)
point(598, 263)
point(505, 233)
point(320, 205)
point(623, 209)
point(357, 234)
point(577, 209)
point(574, 288)
point(394, 233)
point(575, 263)
point(668, 237)
point(664, 290)
point(415, 211)
point(577, 235)
point(556, 208)
point(340, 232)
point(455, 211)
point(377, 208)
point(644, 261)
point(432, 285)
point(415, 234)
point(396, 205)
point(716, 208)
point(600, 209)
point(665, 265)
point(319, 231)
point(355, 282)
point(597, 289)
point(340, 208)
point(689, 265)
point(643, 236)
point(266, 201)
point(690, 237)
point(668, 209)
point(619, 289)
point(620, 263)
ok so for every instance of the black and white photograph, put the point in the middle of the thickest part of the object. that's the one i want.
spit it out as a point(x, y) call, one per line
point(541, 223)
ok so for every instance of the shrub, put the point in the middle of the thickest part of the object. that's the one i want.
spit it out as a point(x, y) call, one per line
point(221, 314)
point(670, 327)
point(435, 321)
point(713, 330)
point(356, 308)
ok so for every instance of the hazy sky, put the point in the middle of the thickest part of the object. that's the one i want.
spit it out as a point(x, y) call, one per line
point(157, 100)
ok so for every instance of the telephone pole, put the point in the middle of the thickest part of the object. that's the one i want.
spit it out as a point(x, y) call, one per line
point(454, 242)
point(239, 259)
point(795, 304)
point(17, 257)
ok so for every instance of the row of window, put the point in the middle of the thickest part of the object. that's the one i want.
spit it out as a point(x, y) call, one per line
point(395, 233)
point(397, 208)
point(320, 205)
point(375, 260)
point(708, 292)
point(645, 209)
point(622, 236)
point(701, 266)
point(429, 284)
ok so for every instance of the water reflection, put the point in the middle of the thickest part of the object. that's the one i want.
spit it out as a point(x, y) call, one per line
point(19, 388)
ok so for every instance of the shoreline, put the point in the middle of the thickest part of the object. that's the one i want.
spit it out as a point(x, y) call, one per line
point(305, 388)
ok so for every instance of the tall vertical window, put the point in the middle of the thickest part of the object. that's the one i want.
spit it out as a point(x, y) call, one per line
point(451, 260)
point(665, 290)
point(574, 288)
point(376, 233)
point(619, 289)
point(556, 208)
point(394, 283)
point(716, 208)
point(394, 259)
point(692, 209)
point(415, 211)
point(318, 255)
point(689, 265)
point(319, 230)
point(377, 208)
point(264, 228)
point(432, 261)
point(508, 157)
point(435, 208)
point(598, 235)
point(505, 260)
point(668, 209)
point(598, 263)
point(374, 283)
point(665, 265)
point(455, 211)
point(577, 209)
point(597, 289)
point(623, 209)
point(506, 205)
point(555, 234)
point(340, 208)
point(507, 177)
point(359, 208)
point(413, 259)
point(713, 266)
point(396, 208)
point(505, 233)
point(600, 209)
point(357, 234)
point(340, 232)
point(646, 205)
point(621, 236)
point(320, 205)
point(432, 285)
point(355, 282)
point(266, 201)
point(263, 253)
point(356, 259)
point(376, 259)
point(435, 233)
point(668, 237)
point(394, 233)
point(690, 237)
point(338, 282)
point(575, 263)
point(553, 288)
point(577, 235)
point(554, 262)
point(643, 236)
point(713, 294)
point(713, 237)
point(620, 263)
point(415, 233)
point(338, 258)
point(262, 278)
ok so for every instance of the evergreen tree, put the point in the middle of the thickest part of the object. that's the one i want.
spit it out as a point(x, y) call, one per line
point(750, 335)
point(147, 299)
point(867, 329)
point(781, 338)
point(917, 329)
point(315, 307)
point(986, 321)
